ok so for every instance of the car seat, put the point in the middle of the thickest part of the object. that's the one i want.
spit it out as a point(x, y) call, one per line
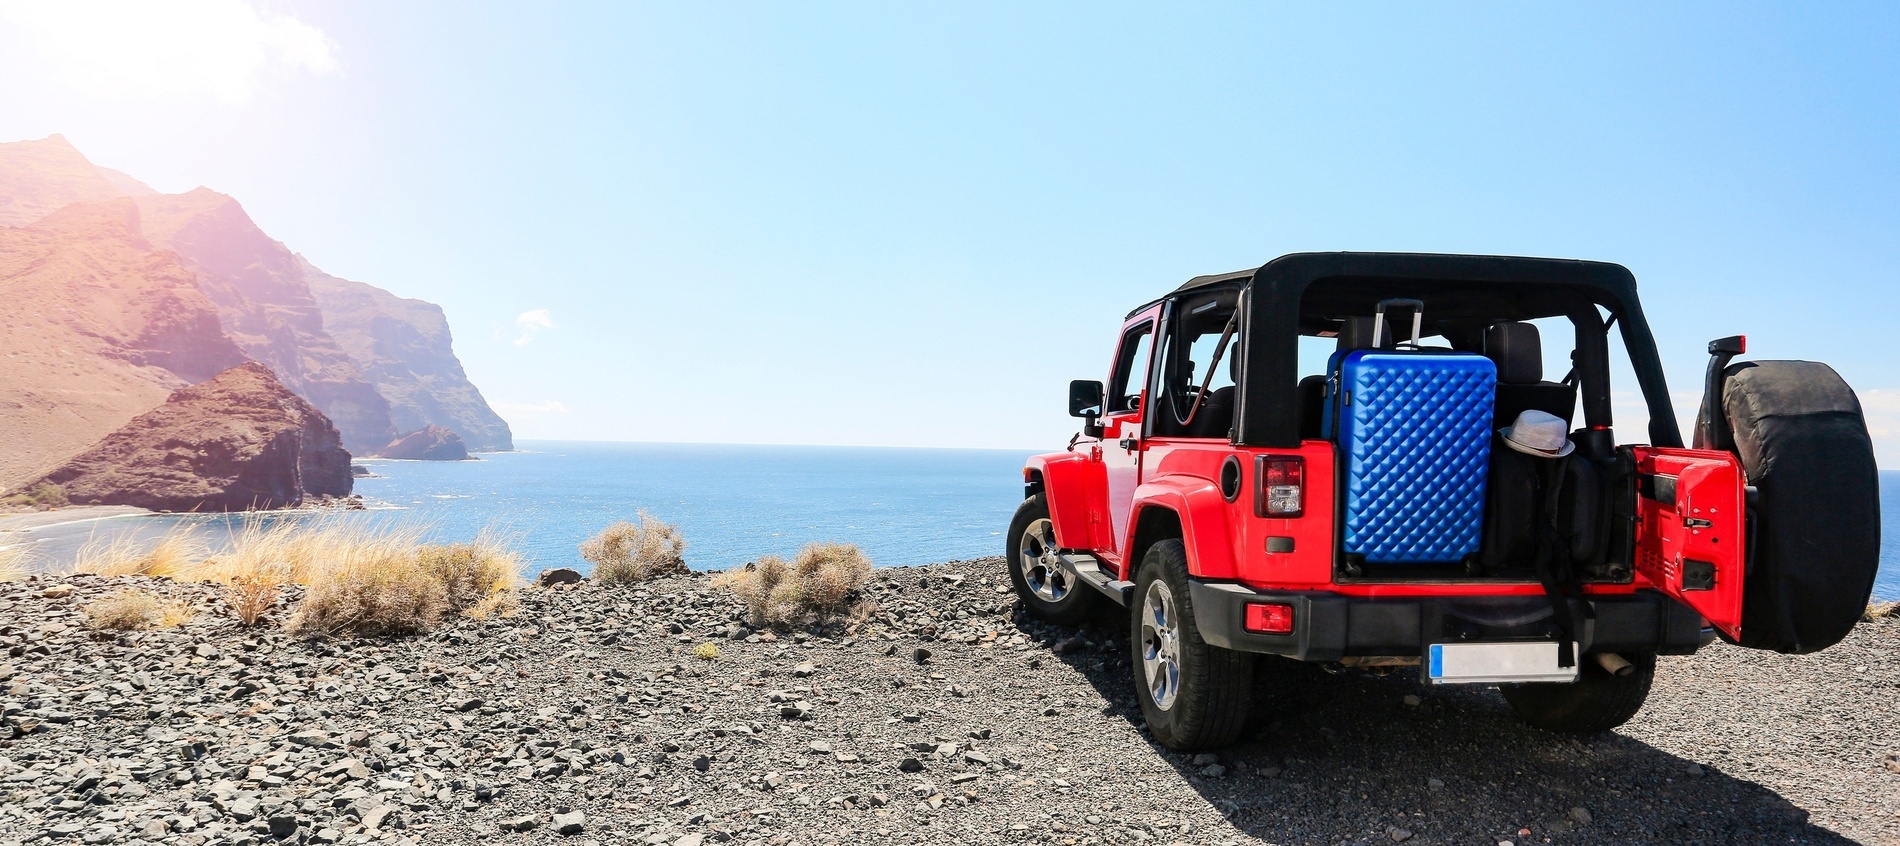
point(1216, 417)
point(1519, 354)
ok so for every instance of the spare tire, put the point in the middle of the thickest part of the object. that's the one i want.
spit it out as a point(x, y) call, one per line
point(1814, 528)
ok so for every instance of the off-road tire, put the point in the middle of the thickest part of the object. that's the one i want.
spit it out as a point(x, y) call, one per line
point(1597, 701)
point(1215, 688)
point(1076, 603)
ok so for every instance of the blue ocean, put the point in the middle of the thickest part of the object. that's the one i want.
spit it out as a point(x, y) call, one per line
point(732, 503)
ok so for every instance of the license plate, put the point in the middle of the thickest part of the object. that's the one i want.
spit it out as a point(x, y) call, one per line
point(1464, 663)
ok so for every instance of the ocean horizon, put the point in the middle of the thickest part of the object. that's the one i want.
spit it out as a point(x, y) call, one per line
point(734, 503)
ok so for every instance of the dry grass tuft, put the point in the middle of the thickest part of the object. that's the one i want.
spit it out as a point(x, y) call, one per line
point(819, 586)
point(1878, 610)
point(178, 553)
point(13, 563)
point(250, 597)
point(470, 573)
point(382, 582)
point(132, 609)
point(494, 605)
point(625, 553)
point(278, 552)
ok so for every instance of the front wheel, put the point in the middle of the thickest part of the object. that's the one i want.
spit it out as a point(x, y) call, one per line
point(1597, 701)
point(1044, 582)
point(1193, 695)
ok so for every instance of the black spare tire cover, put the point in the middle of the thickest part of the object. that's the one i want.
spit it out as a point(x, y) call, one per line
point(1815, 527)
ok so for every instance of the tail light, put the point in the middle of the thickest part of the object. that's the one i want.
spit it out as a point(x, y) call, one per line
point(1269, 618)
point(1280, 482)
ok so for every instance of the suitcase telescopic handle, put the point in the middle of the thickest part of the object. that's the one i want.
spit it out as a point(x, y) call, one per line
point(1418, 318)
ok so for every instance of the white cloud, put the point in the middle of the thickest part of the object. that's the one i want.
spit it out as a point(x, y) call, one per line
point(529, 410)
point(225, 49)
point(532, 323)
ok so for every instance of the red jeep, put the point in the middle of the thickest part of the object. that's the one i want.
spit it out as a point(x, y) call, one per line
point(1271, 469)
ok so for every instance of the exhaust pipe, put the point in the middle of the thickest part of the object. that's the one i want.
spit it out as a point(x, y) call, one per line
point(1614, 664)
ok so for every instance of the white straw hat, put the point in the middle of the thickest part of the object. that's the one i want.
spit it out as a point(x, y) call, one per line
point(1538, 433)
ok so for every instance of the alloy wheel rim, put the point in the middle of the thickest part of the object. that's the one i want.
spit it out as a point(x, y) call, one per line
point(1160, 645)
point(1044, 571)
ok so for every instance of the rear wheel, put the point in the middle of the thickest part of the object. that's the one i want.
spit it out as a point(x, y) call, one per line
point(1044, 582)
point(1193, 695)
point(1597, 701)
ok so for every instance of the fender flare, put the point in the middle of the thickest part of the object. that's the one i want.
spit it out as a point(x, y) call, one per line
point(1202, 513)
point(1068, 487)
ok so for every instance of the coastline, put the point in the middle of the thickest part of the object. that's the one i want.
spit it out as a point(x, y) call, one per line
point(26, 521)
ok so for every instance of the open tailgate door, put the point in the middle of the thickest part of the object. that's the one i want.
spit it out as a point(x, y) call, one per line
point(1691, 540)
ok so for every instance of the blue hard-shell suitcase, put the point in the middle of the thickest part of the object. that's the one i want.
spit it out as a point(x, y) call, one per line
point(1414, 432)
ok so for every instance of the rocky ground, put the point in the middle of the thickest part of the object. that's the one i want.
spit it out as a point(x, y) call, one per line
point(944, 718)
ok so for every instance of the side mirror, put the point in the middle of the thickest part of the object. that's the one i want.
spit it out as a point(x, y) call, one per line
point(1085, 398)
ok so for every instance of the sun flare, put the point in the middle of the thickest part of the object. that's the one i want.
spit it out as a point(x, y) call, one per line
point(224, 49)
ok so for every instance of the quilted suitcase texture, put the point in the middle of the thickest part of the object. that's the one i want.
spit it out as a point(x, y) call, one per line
point(1415, 437)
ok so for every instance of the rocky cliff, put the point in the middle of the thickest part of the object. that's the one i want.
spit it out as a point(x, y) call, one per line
point(238, 441)
point(97, 328)
point(172, 288)
point(267, 308)
point(403, 347)
point(429, 443)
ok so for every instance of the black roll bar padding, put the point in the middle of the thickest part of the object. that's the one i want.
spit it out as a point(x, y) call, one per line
point(1267, 413)
point(1714, 433)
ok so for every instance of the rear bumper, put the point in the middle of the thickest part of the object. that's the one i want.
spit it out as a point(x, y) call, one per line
point(1328, 626)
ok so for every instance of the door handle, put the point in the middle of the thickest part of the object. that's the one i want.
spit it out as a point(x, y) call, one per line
point(1129, 443)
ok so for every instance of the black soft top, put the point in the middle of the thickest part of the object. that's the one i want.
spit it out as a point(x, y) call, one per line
point(1310, 292)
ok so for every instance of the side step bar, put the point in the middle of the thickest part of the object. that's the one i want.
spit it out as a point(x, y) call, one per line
point(1090, 572)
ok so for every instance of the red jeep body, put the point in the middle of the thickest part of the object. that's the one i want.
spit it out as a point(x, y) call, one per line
point(1669, 525)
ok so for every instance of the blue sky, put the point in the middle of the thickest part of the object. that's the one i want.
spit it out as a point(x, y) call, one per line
point(898, 224)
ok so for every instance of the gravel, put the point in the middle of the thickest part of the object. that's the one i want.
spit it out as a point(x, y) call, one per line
point(945, 717)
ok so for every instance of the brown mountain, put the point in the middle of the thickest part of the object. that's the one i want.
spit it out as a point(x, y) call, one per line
point(97, 328)
point(238, 441)
point(378, 359)
point(403, 348)
point(267, 308)
point(40, 177)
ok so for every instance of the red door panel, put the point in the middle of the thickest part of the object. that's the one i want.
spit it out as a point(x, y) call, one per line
point(1690, 536)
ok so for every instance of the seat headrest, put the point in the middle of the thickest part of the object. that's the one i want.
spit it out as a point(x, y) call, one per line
point(1355, 333)
point(1516, 350)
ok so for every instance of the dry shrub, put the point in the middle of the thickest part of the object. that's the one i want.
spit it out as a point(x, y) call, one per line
point(818, 586)
point(383, 582)
point(278, 552)
point(366, 581)
point(707, 651)
point(13, 563)
point(494, 605)
point(624, 552)
point(250, 597)
point(472, 572)
point(179, 552)
point(135, 609)
point(1878, 610)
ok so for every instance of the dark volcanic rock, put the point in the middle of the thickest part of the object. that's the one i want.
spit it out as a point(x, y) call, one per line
point(239, 441)
point(593, 713)
point(429, 443)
